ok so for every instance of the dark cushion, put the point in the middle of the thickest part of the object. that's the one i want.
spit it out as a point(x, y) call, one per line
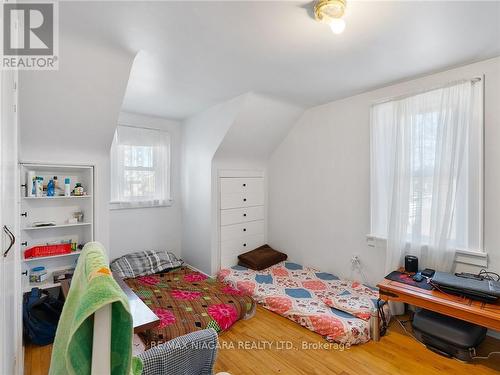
point(260, 258)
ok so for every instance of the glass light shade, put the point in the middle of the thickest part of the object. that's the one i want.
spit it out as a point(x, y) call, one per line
point(333, 10)
point(337, 25)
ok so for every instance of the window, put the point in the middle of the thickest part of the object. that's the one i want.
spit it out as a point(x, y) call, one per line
point(426, 170)
point(140, 168)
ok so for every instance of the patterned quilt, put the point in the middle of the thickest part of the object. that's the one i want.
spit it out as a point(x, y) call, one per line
point(188, 301)
point(304, 295)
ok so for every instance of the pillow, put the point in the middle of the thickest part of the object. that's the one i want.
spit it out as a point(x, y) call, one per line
point(143, 263)
point(260, 258)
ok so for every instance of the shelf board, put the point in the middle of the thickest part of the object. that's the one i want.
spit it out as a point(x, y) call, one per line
point(60, 197)
point(57, 226)
point(47, 167)
point(53, 256)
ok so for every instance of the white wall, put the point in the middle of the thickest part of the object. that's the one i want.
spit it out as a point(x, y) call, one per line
point(154, 228)
point(202, 134)
point(69, 116)
point(319, 210)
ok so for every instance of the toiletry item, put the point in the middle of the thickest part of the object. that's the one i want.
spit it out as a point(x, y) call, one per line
point(63, 275)
point(38, 274)
point(39, 187)
point(78, 216)
point(57, 189)
point(30, 183)
point(50, 188)
point(72, 220)
point(78, 189)
point(67, 187)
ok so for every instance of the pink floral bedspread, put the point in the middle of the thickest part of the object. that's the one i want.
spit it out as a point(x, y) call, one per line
point(304, 294)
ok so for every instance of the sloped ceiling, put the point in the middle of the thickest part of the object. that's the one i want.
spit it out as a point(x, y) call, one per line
point(260, 125)
point(75, 108)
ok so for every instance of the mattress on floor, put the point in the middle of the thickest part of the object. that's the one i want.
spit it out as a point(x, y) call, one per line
point(188, 301)
point(297, 293)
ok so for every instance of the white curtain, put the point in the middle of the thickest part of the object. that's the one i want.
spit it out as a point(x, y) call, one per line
point(424, 152)
point(140, 163)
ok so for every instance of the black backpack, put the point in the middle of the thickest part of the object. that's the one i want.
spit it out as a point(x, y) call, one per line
point(41, 313)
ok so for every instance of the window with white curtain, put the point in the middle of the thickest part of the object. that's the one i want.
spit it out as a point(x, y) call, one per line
point(140, 168)
point(427, 174)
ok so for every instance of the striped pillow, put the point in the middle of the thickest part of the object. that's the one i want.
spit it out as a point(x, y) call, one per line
point(143, 263)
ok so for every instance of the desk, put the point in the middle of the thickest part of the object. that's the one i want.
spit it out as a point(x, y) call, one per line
point(477, 312)
point(142, 316)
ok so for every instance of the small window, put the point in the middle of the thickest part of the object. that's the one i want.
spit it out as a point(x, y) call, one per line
point(140, 168)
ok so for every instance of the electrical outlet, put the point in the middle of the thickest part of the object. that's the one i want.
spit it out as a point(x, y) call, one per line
point(355, 262)
point(371, 241)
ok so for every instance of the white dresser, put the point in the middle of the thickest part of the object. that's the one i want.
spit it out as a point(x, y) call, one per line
point(242, 216)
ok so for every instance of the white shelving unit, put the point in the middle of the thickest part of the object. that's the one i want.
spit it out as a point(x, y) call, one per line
point(57, 209)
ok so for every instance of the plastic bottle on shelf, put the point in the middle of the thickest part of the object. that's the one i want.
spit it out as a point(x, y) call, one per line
point(50, 188)
point(78, 189)
point(39, 187)
point(67, 187)
point(30, 184)
point(57, 188)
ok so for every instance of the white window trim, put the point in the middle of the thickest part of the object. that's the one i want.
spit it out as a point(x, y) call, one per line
point(117, 205)
point(128, 205)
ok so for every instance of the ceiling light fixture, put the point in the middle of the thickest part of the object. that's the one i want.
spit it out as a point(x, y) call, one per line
point(331, 12)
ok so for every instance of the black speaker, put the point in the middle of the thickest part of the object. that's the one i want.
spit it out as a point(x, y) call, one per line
point(411, 264)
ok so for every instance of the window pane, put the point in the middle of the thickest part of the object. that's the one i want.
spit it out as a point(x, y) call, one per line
point(138, 156)
point(423, 157)
point(139, 184)
point(140, 167)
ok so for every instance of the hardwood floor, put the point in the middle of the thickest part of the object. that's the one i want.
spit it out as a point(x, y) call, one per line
point(37, 359)
point(261, 345)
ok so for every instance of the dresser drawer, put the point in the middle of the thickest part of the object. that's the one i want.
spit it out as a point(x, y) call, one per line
point(235, 231)
point(241, 185)
point(241, 215)
point(232, 248)
point(239, 200)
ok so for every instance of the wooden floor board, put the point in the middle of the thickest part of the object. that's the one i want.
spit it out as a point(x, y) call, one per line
point(396, 353)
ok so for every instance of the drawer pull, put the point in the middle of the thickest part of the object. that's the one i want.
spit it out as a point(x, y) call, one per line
point(244, 185)
point(244, 244)
point(244, 215)
point(244, 229)
point(244, 199)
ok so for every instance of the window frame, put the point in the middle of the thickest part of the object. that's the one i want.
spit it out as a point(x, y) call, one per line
point(133, 204)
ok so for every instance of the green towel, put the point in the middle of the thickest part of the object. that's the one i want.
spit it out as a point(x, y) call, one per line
point(93, 287)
